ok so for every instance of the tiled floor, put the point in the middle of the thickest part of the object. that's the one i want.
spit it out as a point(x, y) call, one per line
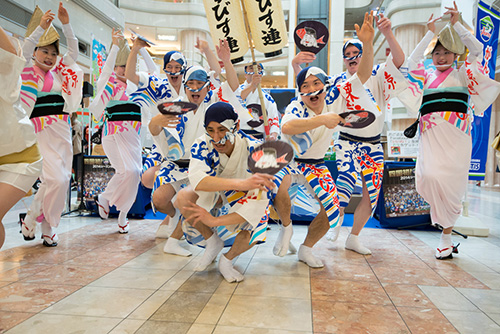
point(98, 281)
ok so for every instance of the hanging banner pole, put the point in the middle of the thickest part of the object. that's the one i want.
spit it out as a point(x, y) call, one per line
point(256, 70)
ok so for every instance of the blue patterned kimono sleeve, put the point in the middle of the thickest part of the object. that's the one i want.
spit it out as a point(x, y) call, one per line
point(204, 161)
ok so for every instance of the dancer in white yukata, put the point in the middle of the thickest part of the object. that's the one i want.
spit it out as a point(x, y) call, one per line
point(445, 96)
point(252, 123)
point(218, 174)
point(309, 124)
point(51, 92)
point(121, 139)
point(175, 145)
point(20, 160)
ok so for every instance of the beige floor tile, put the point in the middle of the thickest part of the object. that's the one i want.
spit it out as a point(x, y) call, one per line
point(461, 279)
point(467, 322)
point(447, 298)
point(490, 279)
point(275, 286)
point(177, 280)
point(202, 282)
point(152, 260)
point(270, 313)
point(68, 274)
point(101, 302)
point(151, 305)
point(487, 301)
point(213, 309)
point(6, 265)
point(226, 288)
point(201, 329)
point(134, 278)
point(163, 327)
point(278, 267)
point(495, 317)
point(248, 330)
point(58, 323)
point(182, 307)
point(127, 326)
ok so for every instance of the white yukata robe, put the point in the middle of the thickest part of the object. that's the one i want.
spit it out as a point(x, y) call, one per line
point(121, 140)
point(206, 161)
point(312, 145)
point(53, 132)
point(445, 145)
point(17, 131)
point(271, 109)
point(362, 155)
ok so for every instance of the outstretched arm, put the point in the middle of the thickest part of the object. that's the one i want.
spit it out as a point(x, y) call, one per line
point(365, 35)
point(72, 41)
point(130, 72)
point(32, 40)
point(204, 48)
point(384, 25)
point(224, 54)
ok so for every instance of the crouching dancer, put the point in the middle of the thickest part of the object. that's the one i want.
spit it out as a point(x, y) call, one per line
point(218, 174)
point(308, 124)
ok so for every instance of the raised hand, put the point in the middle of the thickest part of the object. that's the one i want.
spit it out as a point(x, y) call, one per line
point(303, 57)
point(201, 45)
point(47, 19)
point(453, 11)
point(62, 14)
point(138, 43)
point(383, 24)
point(366, 32)
point(256, 79)
point(223, 50)
point(116, 36)
point(431, 24)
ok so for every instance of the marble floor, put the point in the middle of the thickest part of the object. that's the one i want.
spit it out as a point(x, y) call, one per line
point(98, 281)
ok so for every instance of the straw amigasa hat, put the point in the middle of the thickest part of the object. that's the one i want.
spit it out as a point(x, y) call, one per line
point(448, 37)
point(50, 36)
point(121, 57)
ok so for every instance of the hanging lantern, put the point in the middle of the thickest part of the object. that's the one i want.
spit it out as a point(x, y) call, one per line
point(225, 19)
point(267, 24)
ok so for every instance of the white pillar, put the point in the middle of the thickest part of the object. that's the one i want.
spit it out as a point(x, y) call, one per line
point(292, 23)
point(336, 41)
point(188, 41)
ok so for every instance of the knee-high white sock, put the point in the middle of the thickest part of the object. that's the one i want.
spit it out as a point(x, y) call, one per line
point(353, 244)
point(212, 249)
point(123, 222)
point(445, 241)
point(172, 247)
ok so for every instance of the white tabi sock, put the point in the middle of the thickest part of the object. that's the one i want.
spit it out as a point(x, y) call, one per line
point(123, 222)
point(48, 234)
point(103, 206)
point(212, 249)
point(353, 244)
point(445, 247)
point(173, 221)
point(333, 233)
point(283, 242)
point(172, 247)
point(306, 255)
point(228, 271)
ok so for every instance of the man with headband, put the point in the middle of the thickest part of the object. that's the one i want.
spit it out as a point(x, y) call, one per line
point(252, 123)
point(175, 145)
point(358, 151)
point(218, 175)
point(309, 124)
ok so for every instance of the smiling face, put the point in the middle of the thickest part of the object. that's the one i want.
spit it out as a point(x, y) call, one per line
point(174, 67)
point(120, 73)
point(313, 102)
point(217, 131)
point(351, 65)
point(45, 57)
point(248, 77)
point(442, 58)
point(197, 97)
